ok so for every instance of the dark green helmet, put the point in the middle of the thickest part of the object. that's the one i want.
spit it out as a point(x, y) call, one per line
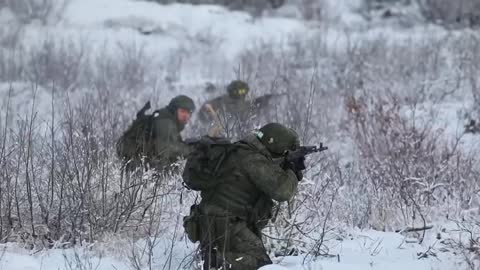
point(277, 138)
point(183, 102)
point(238, 89)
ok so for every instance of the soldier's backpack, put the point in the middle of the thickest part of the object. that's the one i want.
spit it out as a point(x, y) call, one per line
point(203, 164)
point(137, 142)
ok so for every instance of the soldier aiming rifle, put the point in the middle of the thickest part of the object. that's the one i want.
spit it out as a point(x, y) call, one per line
point(238, 184)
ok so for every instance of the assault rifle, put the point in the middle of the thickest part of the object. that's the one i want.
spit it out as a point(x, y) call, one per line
point(264, 100)
point(302, 151)
point(295, 155)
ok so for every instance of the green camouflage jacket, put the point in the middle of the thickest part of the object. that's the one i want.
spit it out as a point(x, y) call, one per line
point(168, 142)
point(250, 180)
point(225, 106)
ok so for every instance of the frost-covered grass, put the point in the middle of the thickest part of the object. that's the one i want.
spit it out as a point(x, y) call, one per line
point(390, 104)
point(358, 250)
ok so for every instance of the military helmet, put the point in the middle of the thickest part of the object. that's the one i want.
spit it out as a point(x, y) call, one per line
point(238, 89)
point(277, 138)
point(183, 102)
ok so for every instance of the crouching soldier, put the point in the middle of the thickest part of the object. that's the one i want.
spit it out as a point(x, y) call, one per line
point(154, 139)
point(237, 195)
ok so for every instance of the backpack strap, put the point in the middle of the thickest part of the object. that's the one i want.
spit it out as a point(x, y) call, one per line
point(229, 149)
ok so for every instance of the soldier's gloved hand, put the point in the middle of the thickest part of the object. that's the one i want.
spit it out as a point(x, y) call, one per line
point(299, 175)
point(296, 167)
point(300, 164)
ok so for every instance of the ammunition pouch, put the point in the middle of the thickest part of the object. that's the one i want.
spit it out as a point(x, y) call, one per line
point(261, 214)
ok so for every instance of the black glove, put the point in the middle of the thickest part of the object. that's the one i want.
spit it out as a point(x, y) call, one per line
point(297, 166)
point(299, 175)
point(300, 164)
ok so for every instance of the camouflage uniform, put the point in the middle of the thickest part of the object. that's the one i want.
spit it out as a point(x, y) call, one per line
point(232, 104)
point(167, 141)
point(233, 108)
point(233, 213)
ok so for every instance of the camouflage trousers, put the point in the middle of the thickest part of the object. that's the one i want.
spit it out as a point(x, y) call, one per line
point(229, 243)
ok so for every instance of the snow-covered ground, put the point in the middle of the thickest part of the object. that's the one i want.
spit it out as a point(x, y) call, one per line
point(184, 37)
point(361, 250)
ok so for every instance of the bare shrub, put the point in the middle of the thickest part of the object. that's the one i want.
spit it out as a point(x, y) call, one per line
point(161, 234)
point(127, 71)
point(363, 69)
point(379, 4)
point(57, 62)
point(10, 35)
point(408, 161)
point(81, 260)
point(61, 181)
point(464, 13)
point(256, 7)
point(305, 224)
point(465, 242)
point(465, 61)
point(469, 56)
point(313, 9)
point(43, 11)
point(11, 51)
point(11, 67)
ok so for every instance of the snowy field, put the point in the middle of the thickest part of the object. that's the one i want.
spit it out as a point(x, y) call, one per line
point(101, 60)
point(361, 250)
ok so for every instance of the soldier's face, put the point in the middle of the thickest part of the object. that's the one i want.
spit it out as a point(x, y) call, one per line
point(183, 116)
